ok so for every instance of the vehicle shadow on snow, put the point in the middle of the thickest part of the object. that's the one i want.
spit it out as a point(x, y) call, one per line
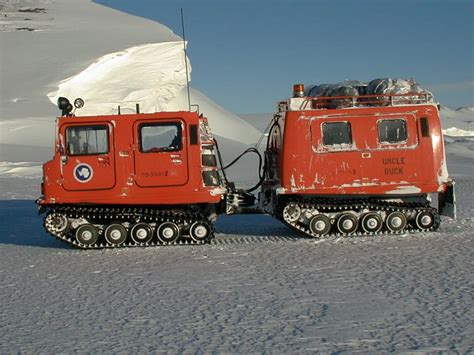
point(21, 225)
point(251, 224)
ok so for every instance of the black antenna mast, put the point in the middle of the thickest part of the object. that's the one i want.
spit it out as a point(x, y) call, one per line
point(185, 60)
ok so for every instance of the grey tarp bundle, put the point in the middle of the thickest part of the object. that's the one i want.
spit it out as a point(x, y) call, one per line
point(347, 88)
point(390, 86)
point(354, 88)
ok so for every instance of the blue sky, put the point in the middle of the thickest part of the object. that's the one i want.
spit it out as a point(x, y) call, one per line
point(246, 55)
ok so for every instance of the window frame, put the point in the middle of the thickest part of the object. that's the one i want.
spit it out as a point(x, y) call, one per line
point(385, 143)
point(107, 130)
point(335, 145)
point(177, 124)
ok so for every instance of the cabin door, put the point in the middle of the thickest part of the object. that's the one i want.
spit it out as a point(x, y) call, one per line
point(87, 156)
point(161, 153)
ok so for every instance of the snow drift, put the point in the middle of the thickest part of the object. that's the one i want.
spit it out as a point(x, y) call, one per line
point(153, 76)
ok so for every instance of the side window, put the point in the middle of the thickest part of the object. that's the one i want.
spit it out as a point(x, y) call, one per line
point(392, 131)
point(160, 137)
point(87, 140)
point(337, 133)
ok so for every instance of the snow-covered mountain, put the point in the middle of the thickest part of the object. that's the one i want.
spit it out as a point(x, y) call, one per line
point(466, 109)
point(102, 55)
point(59, 40)
point(458, 130)
point(459, 122)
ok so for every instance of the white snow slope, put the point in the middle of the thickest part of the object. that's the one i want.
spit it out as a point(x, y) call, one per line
point(154, 76)
point(150, 74)
point(257, 289)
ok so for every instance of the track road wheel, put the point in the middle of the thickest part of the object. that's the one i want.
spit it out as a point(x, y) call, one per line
point(199, 231)
point(292, 212)
point(425, 220)
point(167, 232)
point(87, 234)
point(396, 221)
point(115, 234)
point(371, 222)
point(347, 223)
point(56, 223)
point(320, 225)
point(141, 233)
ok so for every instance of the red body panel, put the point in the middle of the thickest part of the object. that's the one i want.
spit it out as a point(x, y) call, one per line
point(124, 173)
point(366, 166)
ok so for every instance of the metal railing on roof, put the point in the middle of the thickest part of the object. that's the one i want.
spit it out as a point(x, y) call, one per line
point(335, 102)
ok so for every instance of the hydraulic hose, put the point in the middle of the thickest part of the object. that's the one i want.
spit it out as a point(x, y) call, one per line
point(262, 167)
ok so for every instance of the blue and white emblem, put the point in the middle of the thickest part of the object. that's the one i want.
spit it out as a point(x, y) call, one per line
point(83, 172)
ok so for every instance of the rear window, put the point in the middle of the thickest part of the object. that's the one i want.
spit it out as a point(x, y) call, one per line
point(392, 131)
point(87, 140)
point(337, 133)
point(160, 137)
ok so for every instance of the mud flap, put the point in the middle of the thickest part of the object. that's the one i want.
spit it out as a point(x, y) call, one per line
point(447, 202)
point(41, 208)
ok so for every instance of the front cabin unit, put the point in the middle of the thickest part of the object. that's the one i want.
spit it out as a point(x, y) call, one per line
point(139, 159)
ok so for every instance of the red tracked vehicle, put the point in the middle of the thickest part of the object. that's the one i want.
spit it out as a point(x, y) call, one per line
point(357, 165)
point(367, 167)
point(135, 179)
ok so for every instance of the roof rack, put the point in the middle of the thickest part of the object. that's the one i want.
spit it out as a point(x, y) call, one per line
point(334, 102)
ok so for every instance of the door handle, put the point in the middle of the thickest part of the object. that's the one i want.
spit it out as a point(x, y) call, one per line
point(176, 158)
point(104, 161)
point(64, 159)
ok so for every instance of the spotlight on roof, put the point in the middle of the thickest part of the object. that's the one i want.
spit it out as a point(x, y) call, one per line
point(78, 103)
point(65, 106)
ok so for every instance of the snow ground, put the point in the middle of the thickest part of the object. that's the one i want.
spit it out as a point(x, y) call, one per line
point(256, 289)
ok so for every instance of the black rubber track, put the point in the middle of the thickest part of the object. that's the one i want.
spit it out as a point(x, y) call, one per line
point(103, 216)
point(368, 205)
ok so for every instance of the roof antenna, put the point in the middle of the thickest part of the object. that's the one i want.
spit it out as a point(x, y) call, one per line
point(186, 60)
